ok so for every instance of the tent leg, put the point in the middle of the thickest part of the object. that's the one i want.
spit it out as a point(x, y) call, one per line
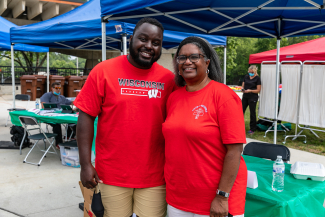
point(13, 76)
point(277, 78)
point(103, 41)
point(48, 71)
point(224, 64)
point(124, 44)
point(77, 67)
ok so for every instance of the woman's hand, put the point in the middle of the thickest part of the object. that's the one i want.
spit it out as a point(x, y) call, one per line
point(219, 207)
point(248, 91)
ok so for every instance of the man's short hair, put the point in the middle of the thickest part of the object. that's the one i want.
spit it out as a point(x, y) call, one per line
point(55, 84)
point(149, 20)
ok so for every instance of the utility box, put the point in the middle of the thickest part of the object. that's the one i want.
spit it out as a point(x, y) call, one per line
point(73, 85)
point(41, 85)
point(28, 86)
point(58, 79)
point(84, 78)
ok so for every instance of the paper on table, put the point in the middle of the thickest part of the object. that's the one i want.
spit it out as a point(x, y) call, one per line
point(251, 180)
point(42, 112)
point(36, 111)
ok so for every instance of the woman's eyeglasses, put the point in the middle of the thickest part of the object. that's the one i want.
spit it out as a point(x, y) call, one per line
point(58, 88)
point(193, 58)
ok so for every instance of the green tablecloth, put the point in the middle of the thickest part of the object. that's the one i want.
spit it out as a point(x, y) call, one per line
point(49, 119)
point(300, 198)
point(45, 119)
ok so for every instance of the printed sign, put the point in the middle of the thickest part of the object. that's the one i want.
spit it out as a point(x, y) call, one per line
point(118, 28)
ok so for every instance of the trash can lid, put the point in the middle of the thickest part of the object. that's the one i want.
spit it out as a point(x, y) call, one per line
point(29, 77)
point(72, 143)
point(73, 77)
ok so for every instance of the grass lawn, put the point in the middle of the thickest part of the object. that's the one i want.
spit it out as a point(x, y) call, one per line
point(314, 144)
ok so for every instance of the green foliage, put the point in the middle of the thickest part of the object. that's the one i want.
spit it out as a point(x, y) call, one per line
point(28, 59)
point(239, 49)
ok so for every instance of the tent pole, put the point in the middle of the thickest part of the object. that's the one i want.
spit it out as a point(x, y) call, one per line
point(124, 44)
point(103, 41)
point(13, 76)
point(77, 67)
point(224, 64)
point(48, 71)
point(277, 78)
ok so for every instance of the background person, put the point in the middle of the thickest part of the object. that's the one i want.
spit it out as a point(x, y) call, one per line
point(204, 132)
point(251, 86)
point(55, 97)
point(128, 94)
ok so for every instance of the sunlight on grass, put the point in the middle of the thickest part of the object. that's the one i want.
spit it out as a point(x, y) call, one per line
point(314, 144)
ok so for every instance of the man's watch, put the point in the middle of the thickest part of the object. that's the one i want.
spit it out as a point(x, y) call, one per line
point(222, 193)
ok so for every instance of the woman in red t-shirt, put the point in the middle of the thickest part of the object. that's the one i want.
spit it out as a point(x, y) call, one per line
point(204, 134)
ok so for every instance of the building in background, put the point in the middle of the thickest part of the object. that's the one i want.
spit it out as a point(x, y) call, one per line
point(24, 12)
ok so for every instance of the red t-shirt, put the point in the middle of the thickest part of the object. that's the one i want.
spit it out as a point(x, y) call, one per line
point(131, 106)
point(198, 125)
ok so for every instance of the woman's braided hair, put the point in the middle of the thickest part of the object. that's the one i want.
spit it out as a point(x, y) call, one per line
point(215, 72)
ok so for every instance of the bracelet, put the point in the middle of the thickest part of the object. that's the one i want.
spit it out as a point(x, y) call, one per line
point(222, 193)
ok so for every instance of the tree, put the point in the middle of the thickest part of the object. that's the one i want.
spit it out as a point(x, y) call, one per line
point(238, 51)
point(29, 61)
point(57, 60)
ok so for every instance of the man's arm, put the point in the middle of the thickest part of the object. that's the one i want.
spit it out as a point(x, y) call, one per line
point(85, 134)
point(44, 99)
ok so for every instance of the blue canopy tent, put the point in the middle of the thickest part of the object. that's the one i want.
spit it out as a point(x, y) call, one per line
point(5, 45)
point(81, 29)
point(251, 18)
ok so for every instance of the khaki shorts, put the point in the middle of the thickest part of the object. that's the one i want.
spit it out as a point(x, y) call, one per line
point(123, 202)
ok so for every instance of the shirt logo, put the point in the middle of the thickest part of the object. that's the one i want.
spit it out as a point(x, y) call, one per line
point(199, 110)
point(153, 93)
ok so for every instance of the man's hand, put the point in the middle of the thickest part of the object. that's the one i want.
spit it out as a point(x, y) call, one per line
point(85, 135)
point(89, 177)
point(219, 207)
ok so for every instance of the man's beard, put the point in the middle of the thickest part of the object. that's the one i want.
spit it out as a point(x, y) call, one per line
point(136, 57)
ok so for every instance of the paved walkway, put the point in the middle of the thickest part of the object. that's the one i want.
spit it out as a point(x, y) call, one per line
point(52, 189)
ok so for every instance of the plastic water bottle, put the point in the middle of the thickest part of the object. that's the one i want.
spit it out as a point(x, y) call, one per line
point(278, 175)
point(37, 104)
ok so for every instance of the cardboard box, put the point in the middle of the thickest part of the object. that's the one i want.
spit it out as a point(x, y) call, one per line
point(88, 197)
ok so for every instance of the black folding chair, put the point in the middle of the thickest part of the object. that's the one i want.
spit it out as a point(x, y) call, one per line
point(267, 150)
point(19, 97)
point(28, 122)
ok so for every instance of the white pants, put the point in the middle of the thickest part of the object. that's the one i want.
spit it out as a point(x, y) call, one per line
point(174, 212)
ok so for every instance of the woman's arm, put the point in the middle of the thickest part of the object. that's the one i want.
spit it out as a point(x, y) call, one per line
point(254, 91)
point(219, 205)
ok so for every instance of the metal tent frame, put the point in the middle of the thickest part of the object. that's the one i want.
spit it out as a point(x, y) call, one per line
point(222, 27)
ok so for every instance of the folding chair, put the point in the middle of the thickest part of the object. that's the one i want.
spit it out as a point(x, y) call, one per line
point(27, 122)
point(267, 150)
point(19, 97)
point(66, 136)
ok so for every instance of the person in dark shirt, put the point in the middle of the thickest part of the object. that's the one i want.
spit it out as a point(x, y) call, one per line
point(56, 98)
point(251, 86)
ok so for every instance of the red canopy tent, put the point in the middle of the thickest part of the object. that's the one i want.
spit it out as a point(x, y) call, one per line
point(308, 50)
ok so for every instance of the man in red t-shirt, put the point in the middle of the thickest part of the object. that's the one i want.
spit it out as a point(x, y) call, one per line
point(128, 94)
